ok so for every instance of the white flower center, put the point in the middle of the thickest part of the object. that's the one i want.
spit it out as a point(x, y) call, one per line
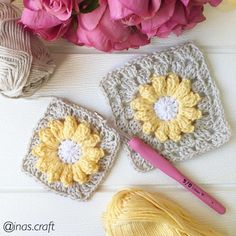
point(69, 151)
point(166, 108)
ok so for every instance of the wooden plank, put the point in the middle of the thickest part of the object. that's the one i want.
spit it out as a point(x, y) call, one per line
point(74, 218)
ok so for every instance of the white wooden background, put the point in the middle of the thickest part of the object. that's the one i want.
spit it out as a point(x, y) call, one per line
point(77, 77)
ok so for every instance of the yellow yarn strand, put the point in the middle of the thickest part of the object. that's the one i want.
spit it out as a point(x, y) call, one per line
point(134, 212)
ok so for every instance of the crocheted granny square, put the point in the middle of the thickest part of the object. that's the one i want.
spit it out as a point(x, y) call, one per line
point(169, 100)
point(71, 150)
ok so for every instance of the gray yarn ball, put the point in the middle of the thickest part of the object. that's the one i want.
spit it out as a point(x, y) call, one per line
point(25, 63)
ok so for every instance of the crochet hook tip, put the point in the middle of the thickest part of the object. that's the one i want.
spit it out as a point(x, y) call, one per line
point(159, 161)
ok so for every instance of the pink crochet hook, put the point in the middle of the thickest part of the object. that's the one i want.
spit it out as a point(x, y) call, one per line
point(149, 154)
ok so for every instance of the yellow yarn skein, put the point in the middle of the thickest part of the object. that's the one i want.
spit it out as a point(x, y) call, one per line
point(135, 212)
point(228, 5)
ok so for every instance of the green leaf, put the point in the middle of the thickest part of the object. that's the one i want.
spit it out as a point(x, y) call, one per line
point(88, 5)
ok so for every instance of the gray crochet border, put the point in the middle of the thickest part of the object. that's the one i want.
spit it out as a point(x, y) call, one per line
point(186, 60)
point(58, 109)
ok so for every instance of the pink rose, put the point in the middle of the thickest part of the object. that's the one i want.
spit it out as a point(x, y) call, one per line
point(173, 17)
point(133, 12)
point(97, 29)
point(48, 18)
point(112, 24)
point(160, 17)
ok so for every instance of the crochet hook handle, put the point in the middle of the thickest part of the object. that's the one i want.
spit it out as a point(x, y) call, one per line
point(149, 154)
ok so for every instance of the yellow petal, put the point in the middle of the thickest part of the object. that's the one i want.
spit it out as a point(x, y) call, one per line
point(78, 175)
point(70, 126)
point(190, 113)
point(185, 124)
point(67, 175)
point(148, 92)
point(42, 150)
point(174, 131)
point(87, 166)
point(82, 132)
point(47, 137)
point(54, 171)
point(91, 141)
point(162, 132)
point(183, 89)
point(144, 115)
point(172, 84)
point(93, 154)
point(190, 100)
point(141, 104)
point(57, 127)
point(159, 85)
point(44, 163)
point(150, 126)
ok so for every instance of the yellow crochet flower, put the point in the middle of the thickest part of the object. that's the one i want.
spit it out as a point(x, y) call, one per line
point(166, 107)
point(68, 151)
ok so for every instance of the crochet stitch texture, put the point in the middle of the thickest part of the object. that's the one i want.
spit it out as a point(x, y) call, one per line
point(166, 107)
point(122, 85)
point(83, 131)
point(69, 151)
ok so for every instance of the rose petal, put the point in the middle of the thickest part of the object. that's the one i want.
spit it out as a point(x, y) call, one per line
point(89, 21)
point(52, 34)
point(117, 10)
point(142, 8)
point(38, 19)
point(105, 38)
point(166, 11)
point(33, 4)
